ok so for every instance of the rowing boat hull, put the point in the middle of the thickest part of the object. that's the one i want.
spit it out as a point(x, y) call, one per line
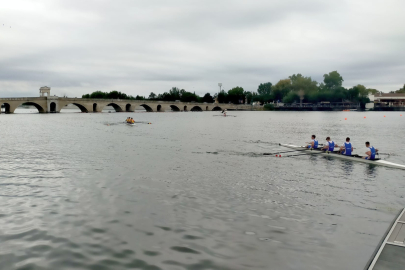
point(336, 155)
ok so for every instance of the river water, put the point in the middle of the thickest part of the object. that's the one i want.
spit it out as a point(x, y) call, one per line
point(191, 191)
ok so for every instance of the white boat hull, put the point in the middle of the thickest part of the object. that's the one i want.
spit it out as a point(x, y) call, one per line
point(336, 155)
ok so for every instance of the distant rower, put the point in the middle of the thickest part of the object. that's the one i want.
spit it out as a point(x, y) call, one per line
point(329, 145)
point(346, 148)
point(371, 153)
point(313, 143)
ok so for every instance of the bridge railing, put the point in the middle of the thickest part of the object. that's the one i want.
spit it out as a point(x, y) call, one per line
point(22, 98)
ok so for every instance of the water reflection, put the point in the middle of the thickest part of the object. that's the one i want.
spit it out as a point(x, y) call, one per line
point(372, 170)
point(347, 166)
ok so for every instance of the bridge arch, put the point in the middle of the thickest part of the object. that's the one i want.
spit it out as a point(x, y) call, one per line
point(185, 108)
point(196, 109)
point(217, 108)
point(174, 108)
point(6, 108)
point(206, 108)
point(116, 107)
point(39, 107)
point(159, 108)
point(94, 107)
point(128, 108)
point(52, 107)
point(80, 106)
point(147, 108)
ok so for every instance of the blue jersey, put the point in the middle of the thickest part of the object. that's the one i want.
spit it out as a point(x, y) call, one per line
point(331, 145)
point(348, 149)
point(372, 150)
point(315, 144)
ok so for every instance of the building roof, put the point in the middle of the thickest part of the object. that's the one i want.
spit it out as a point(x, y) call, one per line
point(390, 95)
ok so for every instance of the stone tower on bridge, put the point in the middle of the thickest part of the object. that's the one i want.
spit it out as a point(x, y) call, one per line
point(44, 90)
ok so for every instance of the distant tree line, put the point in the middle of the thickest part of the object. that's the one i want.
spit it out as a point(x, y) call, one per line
point(111, 95)
point(401, 90)
point(288, 90)
point(181, 95)
point(173, 95)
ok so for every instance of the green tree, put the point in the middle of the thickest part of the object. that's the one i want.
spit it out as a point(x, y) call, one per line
point(116, 95)
point(333, 80)
point(359, 94)
point(372, 91)
point(175, 93)
point(401, 90)
point(236, 94)
point(291, 97)
point(165, 97)
point(188, 97)
point(249, 96)
point(152, 95)
point(222, 97)
point(98, 94)
point(207, 98)
point(264, 88)
point(281, 89)
point(299, 82)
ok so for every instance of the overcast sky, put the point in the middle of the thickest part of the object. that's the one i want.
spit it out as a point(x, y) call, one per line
point(80, 46)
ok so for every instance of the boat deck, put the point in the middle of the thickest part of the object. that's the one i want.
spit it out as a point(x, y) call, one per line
point(391, 253)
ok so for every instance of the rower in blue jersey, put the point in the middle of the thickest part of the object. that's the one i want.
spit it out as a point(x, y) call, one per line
point(371, 152)
point(329, 145)
point(313, 143)
point(346, 148)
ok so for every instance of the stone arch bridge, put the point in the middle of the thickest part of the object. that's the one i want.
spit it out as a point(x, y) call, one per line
point(55, 104)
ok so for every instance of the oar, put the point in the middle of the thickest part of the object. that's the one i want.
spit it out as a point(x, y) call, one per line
point(312, 153)
point(276, 153)
point(136, 122)
point(304, 154)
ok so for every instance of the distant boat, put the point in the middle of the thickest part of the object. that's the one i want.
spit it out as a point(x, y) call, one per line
point(351, 110)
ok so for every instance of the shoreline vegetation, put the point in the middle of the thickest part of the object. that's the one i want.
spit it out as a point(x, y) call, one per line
point(293, 90)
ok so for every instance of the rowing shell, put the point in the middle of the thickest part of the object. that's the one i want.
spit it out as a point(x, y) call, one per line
point(337, 155)
point(131, 124)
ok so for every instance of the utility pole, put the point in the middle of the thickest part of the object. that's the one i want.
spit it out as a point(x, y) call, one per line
point(220, 88)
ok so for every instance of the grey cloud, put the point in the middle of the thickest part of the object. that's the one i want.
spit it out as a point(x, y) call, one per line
point(143, 46)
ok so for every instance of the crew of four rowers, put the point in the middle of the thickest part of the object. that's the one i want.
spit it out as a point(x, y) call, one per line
point(345, 149)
